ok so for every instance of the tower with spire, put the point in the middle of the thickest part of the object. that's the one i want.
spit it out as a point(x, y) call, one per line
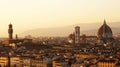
point(10, 31)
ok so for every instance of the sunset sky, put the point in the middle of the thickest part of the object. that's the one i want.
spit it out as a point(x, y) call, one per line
point(32, 14)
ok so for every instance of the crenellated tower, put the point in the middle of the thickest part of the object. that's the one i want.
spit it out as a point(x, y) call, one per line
point(10, 31)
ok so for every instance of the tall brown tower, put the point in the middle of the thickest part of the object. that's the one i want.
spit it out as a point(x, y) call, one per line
point(77, 35)
point(10, 31)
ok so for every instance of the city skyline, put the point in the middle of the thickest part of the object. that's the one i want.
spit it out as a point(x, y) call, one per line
point(31, 14)
point(59, 33)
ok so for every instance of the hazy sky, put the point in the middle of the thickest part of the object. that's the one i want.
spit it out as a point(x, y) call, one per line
point(30, 14)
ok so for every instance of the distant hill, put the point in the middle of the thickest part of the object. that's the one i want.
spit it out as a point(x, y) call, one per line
point(86, 28)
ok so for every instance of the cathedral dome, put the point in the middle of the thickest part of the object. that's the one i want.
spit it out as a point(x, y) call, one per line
point(104, 32)
point(71, 38)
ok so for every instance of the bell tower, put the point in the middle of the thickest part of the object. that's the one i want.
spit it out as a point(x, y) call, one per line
point(10, 31)
point(77, 35)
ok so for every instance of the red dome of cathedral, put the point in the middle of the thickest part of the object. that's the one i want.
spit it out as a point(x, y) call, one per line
point(104, 31)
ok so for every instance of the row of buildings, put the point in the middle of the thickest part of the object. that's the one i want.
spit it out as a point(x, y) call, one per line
point(74, 51)
point(104, 35)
